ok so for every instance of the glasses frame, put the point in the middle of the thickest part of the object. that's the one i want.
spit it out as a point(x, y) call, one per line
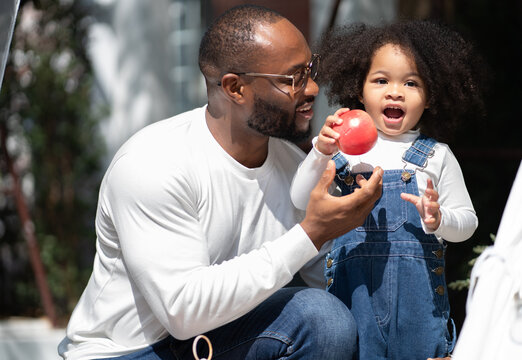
point(307, 72)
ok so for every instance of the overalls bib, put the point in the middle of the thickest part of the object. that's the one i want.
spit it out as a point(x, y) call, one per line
point(390, 273)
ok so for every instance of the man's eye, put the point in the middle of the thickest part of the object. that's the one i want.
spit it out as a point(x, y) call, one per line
point(286, 81)
point(298, 77)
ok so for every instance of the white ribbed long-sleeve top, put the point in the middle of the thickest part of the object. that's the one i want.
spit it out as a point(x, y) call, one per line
point(458, 221)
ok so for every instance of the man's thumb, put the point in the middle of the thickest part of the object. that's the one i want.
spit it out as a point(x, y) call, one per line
point(327, 177)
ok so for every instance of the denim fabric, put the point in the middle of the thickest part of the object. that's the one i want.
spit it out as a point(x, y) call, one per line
point(420, 151)
point(294, 323)
point(390, 274)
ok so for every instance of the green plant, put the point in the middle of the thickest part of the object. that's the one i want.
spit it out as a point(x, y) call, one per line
point(53, 138)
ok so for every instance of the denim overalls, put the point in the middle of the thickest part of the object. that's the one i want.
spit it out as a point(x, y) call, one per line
point(390, 273)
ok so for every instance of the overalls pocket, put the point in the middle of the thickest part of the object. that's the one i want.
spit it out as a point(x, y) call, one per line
point(390, 211)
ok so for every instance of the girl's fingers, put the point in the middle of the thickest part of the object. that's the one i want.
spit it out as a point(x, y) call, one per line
point(430, 192)
point(329, 132)
point(332, 120)
point(341, 110)
point(410, 198)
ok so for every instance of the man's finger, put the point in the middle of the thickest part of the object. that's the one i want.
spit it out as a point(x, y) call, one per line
point(327, 177)
point(375, 179)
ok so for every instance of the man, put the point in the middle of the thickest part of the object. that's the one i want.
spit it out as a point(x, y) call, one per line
point(195, 228)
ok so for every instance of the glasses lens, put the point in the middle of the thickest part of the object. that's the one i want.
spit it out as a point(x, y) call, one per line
point(314, 66)
point(301, 76)
point(299, 79)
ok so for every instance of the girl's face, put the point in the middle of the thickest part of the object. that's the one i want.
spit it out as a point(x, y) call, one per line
point(393, 92)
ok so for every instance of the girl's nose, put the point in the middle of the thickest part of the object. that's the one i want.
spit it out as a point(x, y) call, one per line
point(394, 92)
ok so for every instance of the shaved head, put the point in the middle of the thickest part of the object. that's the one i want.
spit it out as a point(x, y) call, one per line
point(230, 41)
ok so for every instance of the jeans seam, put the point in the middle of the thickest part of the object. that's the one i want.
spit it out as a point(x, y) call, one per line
point(277, 336)
point(265, 334)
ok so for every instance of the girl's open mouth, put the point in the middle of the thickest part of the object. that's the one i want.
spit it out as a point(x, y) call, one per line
point(393, 115)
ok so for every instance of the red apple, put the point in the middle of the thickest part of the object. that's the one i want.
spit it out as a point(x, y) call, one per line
point(358, 133)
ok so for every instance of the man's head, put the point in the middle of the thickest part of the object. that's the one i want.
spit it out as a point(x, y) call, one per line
point(230, 41)
point(260, 63)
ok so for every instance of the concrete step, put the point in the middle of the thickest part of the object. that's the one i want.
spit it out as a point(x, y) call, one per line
point(29, 339)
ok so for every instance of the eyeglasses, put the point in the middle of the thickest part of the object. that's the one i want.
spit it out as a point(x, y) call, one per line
point(297, 80)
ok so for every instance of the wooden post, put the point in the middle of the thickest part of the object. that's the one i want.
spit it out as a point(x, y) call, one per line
point(28, 231)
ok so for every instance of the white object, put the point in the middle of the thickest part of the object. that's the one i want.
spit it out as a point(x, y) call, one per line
point(29, 338)
point(8, 11)
point(493, 325)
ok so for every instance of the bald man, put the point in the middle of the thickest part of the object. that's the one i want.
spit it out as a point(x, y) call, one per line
point(196, 233)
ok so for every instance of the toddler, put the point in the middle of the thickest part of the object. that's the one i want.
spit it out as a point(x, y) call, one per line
point(416, 80)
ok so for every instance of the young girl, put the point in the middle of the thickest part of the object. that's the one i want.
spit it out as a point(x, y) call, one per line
point(415, 79)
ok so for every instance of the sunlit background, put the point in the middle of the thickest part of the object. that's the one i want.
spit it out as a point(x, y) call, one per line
point(83, 76)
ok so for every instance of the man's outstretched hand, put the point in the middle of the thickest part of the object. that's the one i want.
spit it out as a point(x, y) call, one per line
point(328, 217)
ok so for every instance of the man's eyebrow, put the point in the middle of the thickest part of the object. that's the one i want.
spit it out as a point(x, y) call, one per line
point(296, 67)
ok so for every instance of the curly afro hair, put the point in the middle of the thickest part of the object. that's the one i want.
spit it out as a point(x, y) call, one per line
point(452, 71)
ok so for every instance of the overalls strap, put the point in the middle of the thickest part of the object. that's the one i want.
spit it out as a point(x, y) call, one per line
point(342, 171)
point(340, 161)
point(420, 151)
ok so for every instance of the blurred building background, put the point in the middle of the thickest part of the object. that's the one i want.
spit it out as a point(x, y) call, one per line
point(83, 75)
point(145, 57)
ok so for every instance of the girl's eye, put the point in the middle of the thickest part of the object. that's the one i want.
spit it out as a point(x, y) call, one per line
point(411, 83)
point(381, 81)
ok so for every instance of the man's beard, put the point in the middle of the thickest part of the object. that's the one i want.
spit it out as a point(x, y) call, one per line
point(271, 120)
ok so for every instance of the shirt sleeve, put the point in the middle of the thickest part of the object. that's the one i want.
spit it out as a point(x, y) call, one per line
point(167, 259)
point(313, 272)
point(459, 220)
point(307, 176)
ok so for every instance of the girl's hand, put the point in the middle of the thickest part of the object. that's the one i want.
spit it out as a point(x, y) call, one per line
point(327, 139)
point(427, 206)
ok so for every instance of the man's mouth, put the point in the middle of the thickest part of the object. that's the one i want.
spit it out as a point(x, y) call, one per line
point(305, 110)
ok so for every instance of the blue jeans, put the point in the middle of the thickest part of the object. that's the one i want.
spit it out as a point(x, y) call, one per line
point(294, 323)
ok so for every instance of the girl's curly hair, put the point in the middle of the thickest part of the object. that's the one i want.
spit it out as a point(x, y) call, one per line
point(452, 71)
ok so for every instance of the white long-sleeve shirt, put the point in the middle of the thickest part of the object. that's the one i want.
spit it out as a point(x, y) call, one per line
point(188, 240)
point(458, 221)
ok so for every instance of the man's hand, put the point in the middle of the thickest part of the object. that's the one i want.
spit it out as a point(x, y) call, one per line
point(328, 217)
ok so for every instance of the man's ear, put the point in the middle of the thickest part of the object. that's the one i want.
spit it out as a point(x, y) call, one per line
point(233, 87)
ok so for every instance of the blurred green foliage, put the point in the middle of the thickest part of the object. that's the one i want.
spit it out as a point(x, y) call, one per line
point(463, 284)
point(46, 105)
